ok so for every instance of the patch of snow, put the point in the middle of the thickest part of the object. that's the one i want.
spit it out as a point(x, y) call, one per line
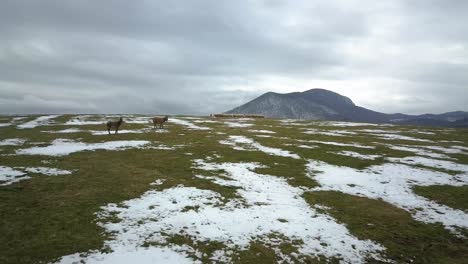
point(264, 199)
point(5, 124)
point(9, 175)
point(205, 121)
point(47, 171)
point(433, 163)
point(61, 147)
point(262, 131)
point(338, 144)
point(348, 124)
point(263, 136)
point(419, 151)
point(447, 150)
point(158, 182)
point(12, 142)
point(252, 145)
point(68, 130)
point(307, 146)
point(357, 155)
point(234, 124)
point(123, 131)
point(40, 121)
point(124, 254)
point(188, 124)
point(393, 183)
point(400, 137)
point(334, 133)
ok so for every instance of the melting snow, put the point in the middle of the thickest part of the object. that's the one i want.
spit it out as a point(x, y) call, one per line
point(61, 147)
point(234, 124)
point(338, 144)
point(251, 144)
point(434, 163)
point(5, 124)
point(12, 142)
point(262, 131)
point(68, 130)
point(357, 155)
point(40, 121)
point(393, 183)
point(188, 124)
point(335, 133)
point(268, 205)
point(419, 151)
point(11, 175)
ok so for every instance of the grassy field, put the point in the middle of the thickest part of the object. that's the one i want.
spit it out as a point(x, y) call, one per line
point(231, 190)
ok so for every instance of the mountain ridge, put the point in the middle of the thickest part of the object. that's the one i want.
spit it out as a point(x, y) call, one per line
point(322, 104)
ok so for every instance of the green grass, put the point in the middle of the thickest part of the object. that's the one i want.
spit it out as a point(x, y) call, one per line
point(406, 240)
point(46, 217)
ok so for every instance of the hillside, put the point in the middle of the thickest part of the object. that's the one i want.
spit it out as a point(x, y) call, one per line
point(204, 190)
point(321, 104)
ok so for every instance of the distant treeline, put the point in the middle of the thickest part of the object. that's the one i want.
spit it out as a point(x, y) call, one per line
point(239, 115)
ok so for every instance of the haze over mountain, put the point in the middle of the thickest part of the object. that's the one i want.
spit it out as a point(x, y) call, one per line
point(321, 104)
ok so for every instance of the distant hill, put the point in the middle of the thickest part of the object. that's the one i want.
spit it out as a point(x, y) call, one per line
point(321, 104)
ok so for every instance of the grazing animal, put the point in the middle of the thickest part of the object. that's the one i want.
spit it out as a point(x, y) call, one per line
point(160, 121)
point(114, 124)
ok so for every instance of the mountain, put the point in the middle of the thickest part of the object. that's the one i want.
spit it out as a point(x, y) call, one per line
point(321, 104)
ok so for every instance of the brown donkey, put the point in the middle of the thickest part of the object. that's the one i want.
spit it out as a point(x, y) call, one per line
point(160, 121)
point(114, 124)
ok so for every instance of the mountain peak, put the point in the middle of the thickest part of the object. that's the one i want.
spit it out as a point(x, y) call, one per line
point(322, 104)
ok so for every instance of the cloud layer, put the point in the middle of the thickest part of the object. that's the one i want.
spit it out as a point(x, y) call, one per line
point(209, 56)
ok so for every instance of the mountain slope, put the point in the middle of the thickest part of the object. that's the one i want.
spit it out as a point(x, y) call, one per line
point(321, 104)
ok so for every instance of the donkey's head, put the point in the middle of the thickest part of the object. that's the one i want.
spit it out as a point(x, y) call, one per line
point(166, 118)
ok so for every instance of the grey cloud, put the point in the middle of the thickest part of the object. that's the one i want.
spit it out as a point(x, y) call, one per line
point(179, 57)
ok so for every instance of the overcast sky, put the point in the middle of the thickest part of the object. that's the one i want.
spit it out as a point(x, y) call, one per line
point(201, 57)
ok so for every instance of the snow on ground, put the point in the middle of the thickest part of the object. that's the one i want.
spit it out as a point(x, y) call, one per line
point(335, 133)
point(357, 155)
point(47, 171)
point(138, 120)
point(64, 131)
point(399, 137)
point(393, 183)
point(61, 147)
point(433, 163)
point(205, 121)
point(379, 131)
point(267, 205)
point(12, 142)
point(294, 122)
point(263, 136)
point(448, 150)
point(105, 132)
point(262, 131)
point(235, 124)
point(124, 254)
point(250, 144)
point(348, 124)
point(307, 146)
point(188, 124)
point(418, 151)
point(5, 124)
point(82, 120)
point(123, 131)
point(40, 121)
point(337, 144)
point(9, 175)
